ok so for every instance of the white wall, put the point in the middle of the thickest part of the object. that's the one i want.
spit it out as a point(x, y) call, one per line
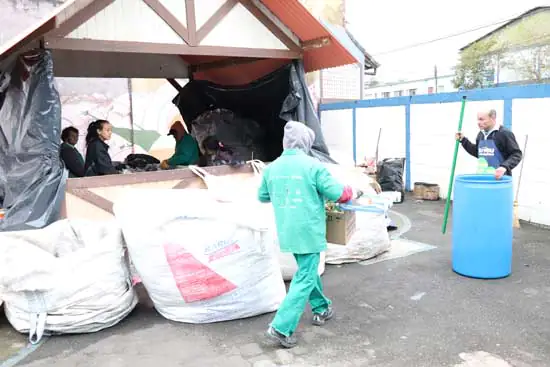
point(337, 127)
point(531, 116)
point(432, 143)
point(421, 87)
point(433, 127)
point(392, 138)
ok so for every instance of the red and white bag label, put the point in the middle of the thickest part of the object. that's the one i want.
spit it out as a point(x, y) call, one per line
point(195, 281)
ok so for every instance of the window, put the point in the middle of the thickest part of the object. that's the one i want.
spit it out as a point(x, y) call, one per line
point(430, 90)
point(440, 88)
point(398, 93)
point(412, 92)
point(385, 94)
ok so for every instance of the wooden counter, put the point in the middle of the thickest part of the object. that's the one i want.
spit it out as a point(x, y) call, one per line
point(92, 197)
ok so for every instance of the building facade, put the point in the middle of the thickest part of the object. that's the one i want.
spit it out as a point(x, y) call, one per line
point(442, 84)
point(519, 50)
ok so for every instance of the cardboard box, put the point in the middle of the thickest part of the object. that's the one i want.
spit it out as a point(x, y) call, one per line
point(340, 227)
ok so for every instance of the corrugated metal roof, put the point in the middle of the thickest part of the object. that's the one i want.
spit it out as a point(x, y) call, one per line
point(297, 18)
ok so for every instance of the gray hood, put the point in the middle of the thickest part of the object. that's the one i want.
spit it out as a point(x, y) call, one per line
point(298, 136)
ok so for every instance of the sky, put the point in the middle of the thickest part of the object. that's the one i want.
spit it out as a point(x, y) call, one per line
point(382, 26)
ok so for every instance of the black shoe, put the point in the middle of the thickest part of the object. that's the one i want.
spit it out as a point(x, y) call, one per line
point(319, 319)
point(285, 341)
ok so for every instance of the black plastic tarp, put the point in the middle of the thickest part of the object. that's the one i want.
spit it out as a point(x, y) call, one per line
point(268, 102)
point(32, 177)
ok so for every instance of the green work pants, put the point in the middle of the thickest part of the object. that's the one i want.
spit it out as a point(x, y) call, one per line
point(305, 286)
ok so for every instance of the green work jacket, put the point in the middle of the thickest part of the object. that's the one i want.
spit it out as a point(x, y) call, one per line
point(297, 186)
point(187, 152)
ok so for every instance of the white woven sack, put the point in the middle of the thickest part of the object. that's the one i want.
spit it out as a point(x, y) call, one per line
point(228, 188)
point(69, 277)
point(370, 239)
point(200, 260)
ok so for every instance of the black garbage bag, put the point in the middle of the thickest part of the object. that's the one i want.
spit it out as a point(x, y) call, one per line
point(251, 118)
point(140, 160)
point(390, 175)
point(32, 175)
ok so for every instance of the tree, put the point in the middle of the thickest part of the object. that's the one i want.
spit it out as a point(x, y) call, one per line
point(528, 45)
point(475, 65)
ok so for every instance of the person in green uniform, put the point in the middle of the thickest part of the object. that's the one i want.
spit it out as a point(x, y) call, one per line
point(187, 150)
point(297, 185)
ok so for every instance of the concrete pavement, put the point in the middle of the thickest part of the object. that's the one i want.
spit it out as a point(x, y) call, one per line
point(411, 311)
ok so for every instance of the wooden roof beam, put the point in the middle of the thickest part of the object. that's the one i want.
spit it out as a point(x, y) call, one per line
point(215, 19)
point(232, 61)
point(160, 48)
point(170, 19)
point(272, 23)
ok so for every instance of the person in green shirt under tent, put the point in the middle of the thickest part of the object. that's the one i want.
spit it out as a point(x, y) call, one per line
point(297, 185)
point(187, 150)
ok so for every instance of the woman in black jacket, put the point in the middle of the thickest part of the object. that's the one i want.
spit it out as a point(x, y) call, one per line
point(98, 161)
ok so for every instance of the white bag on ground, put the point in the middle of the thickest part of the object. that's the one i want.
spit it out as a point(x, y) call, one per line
point(352, 176)
point(233, 188)
point(370, 239)
point(201, 260)
point(69, 277)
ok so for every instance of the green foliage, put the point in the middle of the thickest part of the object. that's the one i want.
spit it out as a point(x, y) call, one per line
point(523, 47)
point(474, 65)
point(528, 45)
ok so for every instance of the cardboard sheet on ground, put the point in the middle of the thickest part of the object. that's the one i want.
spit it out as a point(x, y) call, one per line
point(400, 248)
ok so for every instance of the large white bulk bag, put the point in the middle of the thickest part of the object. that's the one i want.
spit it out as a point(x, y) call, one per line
point(201, 260)
point(70, 277)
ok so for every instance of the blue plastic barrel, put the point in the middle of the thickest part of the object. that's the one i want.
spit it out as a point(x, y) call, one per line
point(482, 226)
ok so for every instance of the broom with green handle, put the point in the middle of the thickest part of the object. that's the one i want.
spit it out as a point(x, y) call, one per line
point(451, 179)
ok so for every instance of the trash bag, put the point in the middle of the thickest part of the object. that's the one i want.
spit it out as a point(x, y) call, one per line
point(32, 175)
point(262, 107)
point(140, 160)
point(244, 136)
point(390, 175)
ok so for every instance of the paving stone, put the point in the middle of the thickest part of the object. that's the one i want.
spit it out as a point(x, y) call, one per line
point(264, 363)
point(261, 357)
point(250, 350)
point(237, 361)
point(284, 357)
point(308, 337)
point(299, 351)
point(323, 331)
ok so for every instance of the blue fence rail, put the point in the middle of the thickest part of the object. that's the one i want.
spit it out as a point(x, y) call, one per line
point(505, 94)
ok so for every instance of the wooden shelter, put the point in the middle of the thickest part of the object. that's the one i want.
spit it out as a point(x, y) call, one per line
point(229, 42)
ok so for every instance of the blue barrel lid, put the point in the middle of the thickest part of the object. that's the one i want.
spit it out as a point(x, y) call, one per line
point(483, 179)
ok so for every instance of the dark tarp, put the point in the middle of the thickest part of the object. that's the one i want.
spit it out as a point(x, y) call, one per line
point(32, 177)
point(267, 103)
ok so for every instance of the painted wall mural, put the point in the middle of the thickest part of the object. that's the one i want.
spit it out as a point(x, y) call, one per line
point(150, 111)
